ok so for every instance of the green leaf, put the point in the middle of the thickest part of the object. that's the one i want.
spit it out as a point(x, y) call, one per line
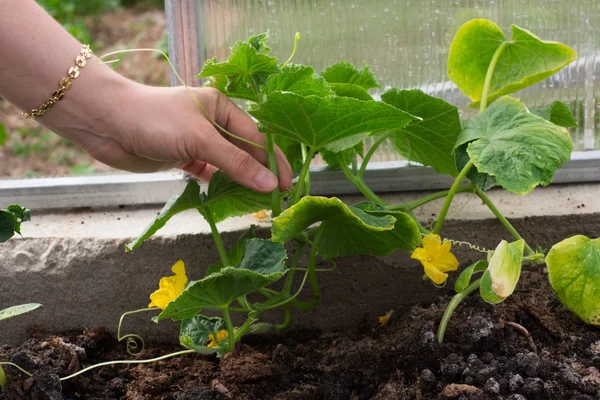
point(483, 181)
point(18, 310)
point(429, 141)
point(558, 113)
point(333, 160)
point(349, 90)
point(2, 135)
point(501, 277)
point(292, 150)
point(259, 42)
point(11, 219)
point(263, 264)
point(344, 72)
point(3, 379)
point(247, 68)
point(574, 272)
point(299, 79)
point(464, 279)
point(348, 230)
point(518, 148)
point(318, 121)
point(524, 61)
point(236, 253)
point(225, 198)
point(195, 331)
point(189, 199)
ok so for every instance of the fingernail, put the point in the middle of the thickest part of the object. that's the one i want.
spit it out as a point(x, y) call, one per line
point(265, 180)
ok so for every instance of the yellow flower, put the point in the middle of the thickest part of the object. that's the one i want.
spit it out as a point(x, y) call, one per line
point(261, 215)
point(212, 342)
point(170, 287)
point(436, 258)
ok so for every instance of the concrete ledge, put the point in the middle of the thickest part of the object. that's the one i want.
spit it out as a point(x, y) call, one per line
point(74, 263)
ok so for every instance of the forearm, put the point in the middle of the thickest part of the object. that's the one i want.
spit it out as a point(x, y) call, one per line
point(35, 54)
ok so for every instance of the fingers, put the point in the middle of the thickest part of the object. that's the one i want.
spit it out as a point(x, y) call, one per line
point(200, 169)
point(233, 119)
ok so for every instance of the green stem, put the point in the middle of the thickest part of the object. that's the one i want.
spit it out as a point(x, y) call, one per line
point(286, 321)
point(287, 289)
point(488, 76)
point(486, 200)
point(217, 238)
point(427, 199)
point(312, 277)
point(304, 150)
point(372, 150)
point(151, 360)
point(456, 300)
point(230, 330)
point(275, 199)
point(450, 196)
point(360, 184)
point(243, 329)
point(17, 367)
point(302, 179)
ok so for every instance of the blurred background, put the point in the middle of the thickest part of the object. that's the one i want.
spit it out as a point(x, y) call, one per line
point(404, 41)
point(29, 150)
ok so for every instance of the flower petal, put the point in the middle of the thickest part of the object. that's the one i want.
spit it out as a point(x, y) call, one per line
point(437, 276)
point(432, 242)
point(169, 287)
point(420, 254)
point(446, 262)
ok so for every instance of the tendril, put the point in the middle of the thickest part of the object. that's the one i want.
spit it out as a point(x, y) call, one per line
point(296, 39)
point(135, 343)
point(192, 95)
point(469, 245)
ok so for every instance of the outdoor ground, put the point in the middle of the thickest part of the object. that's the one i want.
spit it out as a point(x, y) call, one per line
point(31, 151)
point(483, 357)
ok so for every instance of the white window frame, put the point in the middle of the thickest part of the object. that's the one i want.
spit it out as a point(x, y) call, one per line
point(150, 189)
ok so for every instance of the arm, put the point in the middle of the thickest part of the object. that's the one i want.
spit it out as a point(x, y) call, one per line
point(119, 122)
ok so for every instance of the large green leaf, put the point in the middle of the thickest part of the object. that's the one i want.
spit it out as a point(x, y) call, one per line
point(318, 121)
point(500, 279)
point(195, 331)
point(292, 150)
point(348, 230)
point(189, 199)
point(574, 272)
point(429, 141)
point(558, 113)
point(524, 61)
point(18, 310)
point(300, 79)
point(263, 264)
point(225, 198)
point(247, 68)
point(335, 159)
point(518, 148)
point(344, 72)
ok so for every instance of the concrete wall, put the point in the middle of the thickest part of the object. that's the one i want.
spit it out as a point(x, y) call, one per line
point(75, 265)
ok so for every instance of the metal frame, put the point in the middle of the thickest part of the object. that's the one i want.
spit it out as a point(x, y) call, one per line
point(135, 190)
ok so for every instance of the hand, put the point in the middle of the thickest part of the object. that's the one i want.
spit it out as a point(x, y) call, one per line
point(149, 129)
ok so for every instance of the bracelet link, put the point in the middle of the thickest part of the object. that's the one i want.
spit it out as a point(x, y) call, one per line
point(64, 84)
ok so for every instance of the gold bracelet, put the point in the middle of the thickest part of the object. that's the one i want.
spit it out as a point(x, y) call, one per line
point(65, 84)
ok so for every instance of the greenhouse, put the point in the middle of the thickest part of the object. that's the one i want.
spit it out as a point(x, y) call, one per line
point(299, 199)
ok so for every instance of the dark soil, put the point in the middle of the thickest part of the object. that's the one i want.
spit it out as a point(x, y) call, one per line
point(483, 357)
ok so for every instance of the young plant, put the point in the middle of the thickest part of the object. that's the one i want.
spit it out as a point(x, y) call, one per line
point(9, 313)
point(11, 219)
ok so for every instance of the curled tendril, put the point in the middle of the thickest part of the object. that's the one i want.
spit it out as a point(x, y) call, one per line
point(135, 343)
point(192, 95)
point(469, 245)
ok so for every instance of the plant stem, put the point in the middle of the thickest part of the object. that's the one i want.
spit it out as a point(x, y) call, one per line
point(275, 199)
point(286, 321)
point(450, 197)
point(304, 151)
point(287, 289)
point(427, 199)
point(17, 367)
point(230, 331)
point(217, 238)
point(360, 184)
point(488, 76)
point(365, 162)
point(456, 300)
point(151, 360)
point(312, 276)
point(486, 200)
point(302, 179)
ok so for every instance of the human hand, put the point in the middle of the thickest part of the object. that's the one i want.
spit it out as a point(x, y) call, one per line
point(144, 129)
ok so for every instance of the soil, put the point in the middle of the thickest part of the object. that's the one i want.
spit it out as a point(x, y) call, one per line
point(486, 355)
point(31, 150)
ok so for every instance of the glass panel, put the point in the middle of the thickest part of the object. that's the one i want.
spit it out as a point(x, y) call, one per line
point(406, 42)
